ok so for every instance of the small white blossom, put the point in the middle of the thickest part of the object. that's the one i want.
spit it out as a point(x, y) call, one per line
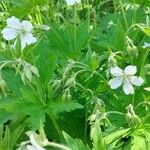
point(32, 144)
point(16, 29)
point(126, 78)
point(146, 45)
point(72, 2)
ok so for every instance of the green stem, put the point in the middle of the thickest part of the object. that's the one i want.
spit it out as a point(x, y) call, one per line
point(56, 126)
point(52, 144)
point(88, 14)
point(86, 114)
point(75, 27)
point(144, 60)
point(115, 6)
point(123, 13)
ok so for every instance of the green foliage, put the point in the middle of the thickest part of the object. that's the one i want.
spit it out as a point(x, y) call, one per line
point(59, 86)
point(75, 144)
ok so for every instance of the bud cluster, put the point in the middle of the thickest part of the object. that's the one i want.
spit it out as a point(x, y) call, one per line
point(131, 48)
point(98, 112)
point(3, 85)
point(132, 119)
point(28, 71)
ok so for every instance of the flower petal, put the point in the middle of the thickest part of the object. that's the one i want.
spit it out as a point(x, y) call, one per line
point(27, 39)
point(34, 143)
point(146, 45)
point(27, 26)
point(29, 147)
point(138, 81)
point(70, 2)
point(14, 23)
point(9, 34)
point(116, 71)
point(128, 88)
point(78, 1)
point(130, 70)
point(115, 82)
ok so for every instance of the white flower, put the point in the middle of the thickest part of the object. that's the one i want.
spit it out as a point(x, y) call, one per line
point(146, 45)
point(35, 145)
point(35, 142)
point(72, 2)
point(16, 29)
point(126, 78)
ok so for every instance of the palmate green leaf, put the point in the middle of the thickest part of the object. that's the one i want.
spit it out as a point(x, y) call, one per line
point(114, 39)
point(4, 116)
point(83, 35)
point(46, 62)
point(138, 143)
point(13, 81)
point(9, 138)
point(63, 39)
point(75, 144)
point(60, 106)
point(145, 3)
point(22, 7)
point(115, 135)
point(144, 29)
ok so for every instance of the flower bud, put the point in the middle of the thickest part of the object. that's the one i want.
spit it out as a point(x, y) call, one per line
point(64, 96)
point(70, 81)
point(135, 121)
point(147, 69)
point(28, 73)
point(112, 61)
point(133, 51)
point(3, 85)
point(34, 70)
point(128, 117)
point(69, 96)
point(94, 61)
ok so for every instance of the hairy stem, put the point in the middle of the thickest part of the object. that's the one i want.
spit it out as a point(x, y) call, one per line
point(56, 126)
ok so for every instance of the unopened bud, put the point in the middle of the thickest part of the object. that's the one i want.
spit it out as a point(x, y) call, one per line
point(28, 73)
point(94, 61)
point(128, 117)
point(112, 61)
point(147, 69)
point(34, 70)
point(133, 51)
point(3, 85)
point(135, 121)
point(70, 81)
point(64, 96)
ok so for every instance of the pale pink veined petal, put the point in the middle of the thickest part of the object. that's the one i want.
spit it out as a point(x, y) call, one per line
point(70, 2)
point(138, 81)
point(9, 34)
point(14, 23)
point(116, 71)
point(115, 82)
point(128, 88)
point(27, 26)
point(130, 70)
point(27, 39)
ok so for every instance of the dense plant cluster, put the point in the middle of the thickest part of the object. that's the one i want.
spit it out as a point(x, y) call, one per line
point(75, 75)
